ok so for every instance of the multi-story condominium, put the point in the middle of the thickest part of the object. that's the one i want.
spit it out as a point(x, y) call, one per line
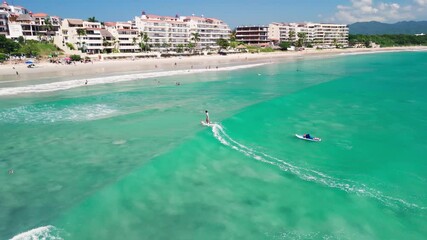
point(4, 29)
point(17, 21)
point(317, 34)
point(163, 32)
point(126, 36)
point(326, 35)
point(36, 26)
point(173, 32)
point(279, 32)
point(5, 12)
point(90, 37)
point(253, 35)
point(209, 30)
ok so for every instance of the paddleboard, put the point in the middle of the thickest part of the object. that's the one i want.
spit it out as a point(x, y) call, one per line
point(307, 139)
point(206, 124)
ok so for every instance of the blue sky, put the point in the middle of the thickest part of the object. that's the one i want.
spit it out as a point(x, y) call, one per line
point(237, 12)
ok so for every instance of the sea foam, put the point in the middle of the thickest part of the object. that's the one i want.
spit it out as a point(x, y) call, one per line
point(41, 233)
point(64, 85)
point(47, 113)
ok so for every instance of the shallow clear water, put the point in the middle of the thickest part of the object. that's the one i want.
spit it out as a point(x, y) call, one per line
point(130, 160)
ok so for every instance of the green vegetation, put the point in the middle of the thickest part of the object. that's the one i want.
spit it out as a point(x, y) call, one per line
point(92, 19)
point(266, 49)
point(29, 48)
point(75, 58)
point(144, 42)
point(70, 46)
point(285, 45)
point(256, 49)
point(302, 36)
point(233, 40)
point(222, 43)
point(3, 57)
point(388, 40)
point(180, 48)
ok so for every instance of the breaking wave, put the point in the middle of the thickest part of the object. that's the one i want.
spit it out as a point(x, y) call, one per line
point(64, 85)
point(48, 113)
point(42, 233)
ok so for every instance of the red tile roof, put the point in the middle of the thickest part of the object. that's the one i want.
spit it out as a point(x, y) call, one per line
point(110, 24)
point(40, 15)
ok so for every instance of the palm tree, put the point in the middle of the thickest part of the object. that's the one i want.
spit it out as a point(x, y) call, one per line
point(134, 42)
point(92, 19)
point(190, 46)
point(195, 37)
point(180, 48)
point(166, 46)
point(48, 26)
point(301, 39)
point(335, 42)
point(291, 36)
point(144, 39)
point(81, 32)
point(233, 36)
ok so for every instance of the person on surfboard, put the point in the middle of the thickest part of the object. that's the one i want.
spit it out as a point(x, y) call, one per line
point(207, 117)
point(307, 135)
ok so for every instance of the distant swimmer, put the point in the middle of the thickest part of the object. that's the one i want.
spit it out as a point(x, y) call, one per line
point(207, 117)
point(10, 171)
point(86, 82)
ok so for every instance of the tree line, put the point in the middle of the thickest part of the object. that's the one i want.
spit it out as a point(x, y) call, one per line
point(388, 40)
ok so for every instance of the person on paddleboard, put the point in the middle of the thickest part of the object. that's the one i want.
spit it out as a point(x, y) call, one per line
point(207, 117)
point(307, 135)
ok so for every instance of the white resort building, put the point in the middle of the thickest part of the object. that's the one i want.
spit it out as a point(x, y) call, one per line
point(17, 21)
point(89, 37)
point(126, 37)
point(209, 30)
point(163, 32)
point(166, 32)
point(318, 34)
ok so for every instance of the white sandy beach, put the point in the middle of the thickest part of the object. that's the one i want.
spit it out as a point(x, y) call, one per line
point(8, 72)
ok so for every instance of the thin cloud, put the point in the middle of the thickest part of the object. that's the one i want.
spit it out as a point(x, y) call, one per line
point(370, 10)
point(421, 3)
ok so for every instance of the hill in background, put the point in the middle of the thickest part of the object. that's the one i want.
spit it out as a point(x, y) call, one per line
point(373, 28)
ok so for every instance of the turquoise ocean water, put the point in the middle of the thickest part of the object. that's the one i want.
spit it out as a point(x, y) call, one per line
point(130, 160)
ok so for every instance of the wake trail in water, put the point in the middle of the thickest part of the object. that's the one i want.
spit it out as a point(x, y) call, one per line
point(64, 85)
point(46, 233)
point(311, 175)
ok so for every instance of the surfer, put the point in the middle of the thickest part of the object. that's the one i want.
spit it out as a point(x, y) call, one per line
point(86, 82)
point(207, 117)
point(307, 135)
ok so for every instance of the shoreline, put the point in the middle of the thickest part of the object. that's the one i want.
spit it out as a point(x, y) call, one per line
point(45, 70)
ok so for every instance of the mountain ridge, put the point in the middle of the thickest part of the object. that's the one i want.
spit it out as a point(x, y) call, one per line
point(374, 27)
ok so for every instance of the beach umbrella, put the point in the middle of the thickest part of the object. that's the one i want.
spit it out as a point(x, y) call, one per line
point(29, 62)
point(67, 59)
